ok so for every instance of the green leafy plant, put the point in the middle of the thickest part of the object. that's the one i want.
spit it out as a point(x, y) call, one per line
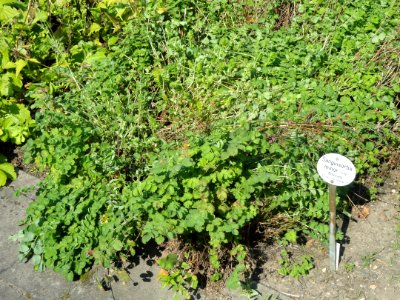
point(38, 39)
point(248, 290)
point(176, 275)
point(290, 237)
point(295, 269)
point(271, 297)
point(15, 122)
point(15, 126)
point(6, 171)
point(368, 259)
point(349, 267)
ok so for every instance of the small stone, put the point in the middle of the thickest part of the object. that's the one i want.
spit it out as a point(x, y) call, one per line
point(393, 191)
point(372, 286)
point(323, 270)
point(374, 267)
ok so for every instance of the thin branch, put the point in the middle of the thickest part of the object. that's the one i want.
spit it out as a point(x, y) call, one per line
point(280, 293)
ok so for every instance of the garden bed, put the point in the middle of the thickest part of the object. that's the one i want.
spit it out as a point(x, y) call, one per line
point(195, 123)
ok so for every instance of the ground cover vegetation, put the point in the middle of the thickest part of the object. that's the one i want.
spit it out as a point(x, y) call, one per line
point(192, 123)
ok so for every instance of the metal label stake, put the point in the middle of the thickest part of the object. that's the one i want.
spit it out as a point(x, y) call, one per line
point(332, 228)
point(336, 170)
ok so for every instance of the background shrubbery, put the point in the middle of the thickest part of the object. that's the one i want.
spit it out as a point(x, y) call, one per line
point(192, 120)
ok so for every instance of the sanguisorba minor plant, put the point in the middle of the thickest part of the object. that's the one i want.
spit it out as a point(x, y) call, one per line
point(204, 117)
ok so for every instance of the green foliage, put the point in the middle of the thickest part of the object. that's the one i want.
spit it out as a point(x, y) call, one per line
point(271, 297)
point(293, 268)
point(6, 171)
point(177, 275)
point(368, 259)
point(290, 237)
point(38, 39)
point(15, 122)
point(234, 280)
point(191, 120)
point(349, 267)
point(15, 126)
point(15, 119)
point(206, 188)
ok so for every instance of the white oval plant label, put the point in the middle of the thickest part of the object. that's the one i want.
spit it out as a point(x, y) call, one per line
point(336, 169)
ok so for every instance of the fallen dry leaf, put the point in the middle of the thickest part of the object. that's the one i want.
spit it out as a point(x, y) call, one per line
point(163, 272)
point(363, 212)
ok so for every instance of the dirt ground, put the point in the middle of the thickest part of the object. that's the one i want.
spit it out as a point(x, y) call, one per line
point(370, 263)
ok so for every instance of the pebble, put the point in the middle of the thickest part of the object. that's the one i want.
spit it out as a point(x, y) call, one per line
point(393, 191)
point(323, 270)
point(372, 286)
point(375, 267)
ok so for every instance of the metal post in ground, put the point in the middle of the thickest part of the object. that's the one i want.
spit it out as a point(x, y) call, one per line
point(332, 227)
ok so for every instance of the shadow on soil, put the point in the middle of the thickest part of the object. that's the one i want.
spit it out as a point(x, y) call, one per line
point(357, 195)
